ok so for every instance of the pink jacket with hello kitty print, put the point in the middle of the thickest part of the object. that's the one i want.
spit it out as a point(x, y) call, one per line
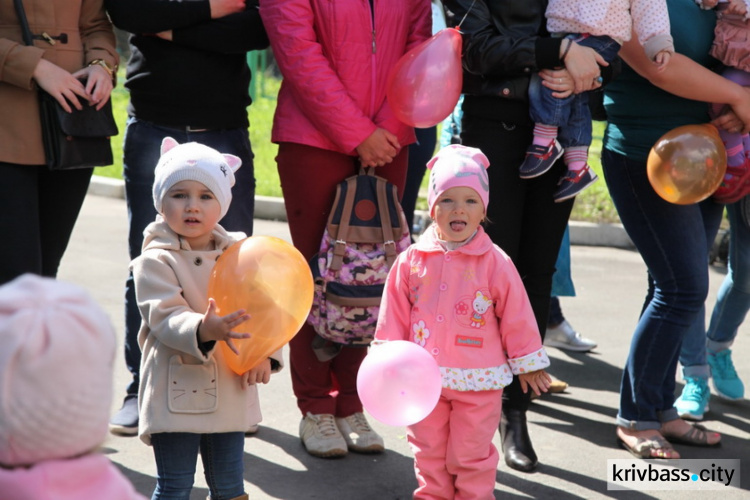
point(467, 307)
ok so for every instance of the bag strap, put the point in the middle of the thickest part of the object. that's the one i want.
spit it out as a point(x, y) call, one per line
point(339, 248)
point(28, 38)
point(389, 244)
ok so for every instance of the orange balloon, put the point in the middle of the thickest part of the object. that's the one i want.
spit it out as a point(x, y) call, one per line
point(271, 280)
point(687, 164)
point(424, 86)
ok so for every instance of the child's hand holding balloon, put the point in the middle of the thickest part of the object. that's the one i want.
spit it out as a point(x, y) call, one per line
point(260, 374)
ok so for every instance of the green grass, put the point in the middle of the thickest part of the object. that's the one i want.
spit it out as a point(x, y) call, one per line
point(593, 205)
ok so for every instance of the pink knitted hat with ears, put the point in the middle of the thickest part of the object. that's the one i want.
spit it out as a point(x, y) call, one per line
point(57, 349)
point(194, 162)
point(455, 166)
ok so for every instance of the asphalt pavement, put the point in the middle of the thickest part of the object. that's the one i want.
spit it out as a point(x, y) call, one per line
point(573, 432)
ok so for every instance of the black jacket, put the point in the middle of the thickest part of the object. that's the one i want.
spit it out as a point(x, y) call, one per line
point(200, 78)
point(504, 42)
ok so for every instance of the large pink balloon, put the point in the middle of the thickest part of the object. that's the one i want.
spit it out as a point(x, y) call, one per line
point(399, 383)
point(424, 86)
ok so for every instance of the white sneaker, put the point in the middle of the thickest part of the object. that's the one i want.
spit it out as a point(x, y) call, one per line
point(253, 429)
point(563, 336)
point(358, 434)
point(321, 437)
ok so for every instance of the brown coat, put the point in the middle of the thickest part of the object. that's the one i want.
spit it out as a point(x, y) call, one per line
point(90, 37)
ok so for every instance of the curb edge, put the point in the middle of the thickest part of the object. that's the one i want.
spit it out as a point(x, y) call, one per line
point(271, 208)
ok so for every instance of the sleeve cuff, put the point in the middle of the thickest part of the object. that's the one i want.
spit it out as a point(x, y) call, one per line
point(658, 43)
point(530, 363)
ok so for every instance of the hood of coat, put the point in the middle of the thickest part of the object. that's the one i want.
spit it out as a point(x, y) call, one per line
point(478, 245)
point(158, 235)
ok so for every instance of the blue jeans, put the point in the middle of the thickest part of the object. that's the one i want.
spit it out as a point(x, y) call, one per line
point(562, 280)
point(176, 454)
point(571, 114)
point(732, 301)
point(673, 241)
point(141, 149)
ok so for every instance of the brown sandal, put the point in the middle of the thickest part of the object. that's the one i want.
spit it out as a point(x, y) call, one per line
point(653, 447)
point(696, 436)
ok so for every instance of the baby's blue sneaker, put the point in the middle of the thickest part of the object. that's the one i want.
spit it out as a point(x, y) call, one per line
point(726, 382)
point(693, 402)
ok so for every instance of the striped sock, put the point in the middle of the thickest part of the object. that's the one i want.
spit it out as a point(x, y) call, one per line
point(576, 157)
point(544, 134)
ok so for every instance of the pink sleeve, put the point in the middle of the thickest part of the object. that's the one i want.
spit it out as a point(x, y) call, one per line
point(518, 328)
point(308, 73)
point(651, 24)
point(395, 308)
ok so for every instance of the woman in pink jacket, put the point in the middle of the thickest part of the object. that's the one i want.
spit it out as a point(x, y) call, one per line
point(460, 297)
point(332, 116)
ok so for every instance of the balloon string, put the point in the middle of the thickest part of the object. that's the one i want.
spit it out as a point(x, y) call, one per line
point(467, 13)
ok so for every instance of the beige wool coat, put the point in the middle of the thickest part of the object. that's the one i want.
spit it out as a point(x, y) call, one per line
point(181, 388)
point(89, 37)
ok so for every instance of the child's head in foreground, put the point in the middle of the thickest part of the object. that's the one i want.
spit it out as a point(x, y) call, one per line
point(57, 348)
point(458, 191)
point(193, 189)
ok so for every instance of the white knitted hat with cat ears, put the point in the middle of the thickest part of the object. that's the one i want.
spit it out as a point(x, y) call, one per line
point(194, 162)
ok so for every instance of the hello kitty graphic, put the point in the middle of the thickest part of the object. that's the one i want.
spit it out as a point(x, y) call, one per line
point(480, 305)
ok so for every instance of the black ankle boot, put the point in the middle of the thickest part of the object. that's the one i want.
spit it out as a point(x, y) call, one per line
point(517, 448)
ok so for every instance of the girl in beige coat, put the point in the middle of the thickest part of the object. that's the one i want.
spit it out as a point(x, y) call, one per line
point(189, 399)
point(73, 41)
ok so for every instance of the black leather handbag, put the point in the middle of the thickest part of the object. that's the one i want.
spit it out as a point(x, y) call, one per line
point(79, 139)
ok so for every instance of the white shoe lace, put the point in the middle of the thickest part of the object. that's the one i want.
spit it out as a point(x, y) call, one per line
point(326, 425)
point(361, 425)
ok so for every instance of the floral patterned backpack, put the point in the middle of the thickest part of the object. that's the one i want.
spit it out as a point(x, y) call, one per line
point(366, 230)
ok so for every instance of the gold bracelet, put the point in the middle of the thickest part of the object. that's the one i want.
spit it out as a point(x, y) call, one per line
point(104, 64)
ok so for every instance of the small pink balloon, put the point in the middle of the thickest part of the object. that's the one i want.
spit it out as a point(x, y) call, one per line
point(424, 86)
point(399, 383)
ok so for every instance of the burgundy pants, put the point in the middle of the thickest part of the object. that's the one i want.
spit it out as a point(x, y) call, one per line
point(309, 177)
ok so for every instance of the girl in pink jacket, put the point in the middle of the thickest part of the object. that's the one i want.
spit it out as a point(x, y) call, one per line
point(459, 296)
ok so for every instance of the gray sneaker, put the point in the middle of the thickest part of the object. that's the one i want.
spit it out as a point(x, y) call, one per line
point(359, 435)
point(125, 421)
point(321, 437)
point(563, 336)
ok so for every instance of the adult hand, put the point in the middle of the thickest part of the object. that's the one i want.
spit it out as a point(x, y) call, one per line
point(215, 327)
point(728, 121)
point(583, 65)
point(98, 84)
point(558, 81)
point(221, 8)
point(742, 111)
point(736, 7)
point(378, 149)
point(60, 84)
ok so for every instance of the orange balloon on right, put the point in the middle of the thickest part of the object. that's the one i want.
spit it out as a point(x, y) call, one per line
point(687, 164)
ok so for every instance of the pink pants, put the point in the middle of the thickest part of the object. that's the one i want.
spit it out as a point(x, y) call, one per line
point(309, 177)
point(453, 452)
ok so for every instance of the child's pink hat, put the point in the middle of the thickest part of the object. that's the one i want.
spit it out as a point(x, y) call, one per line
point(58, 349)
point(458, 166)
